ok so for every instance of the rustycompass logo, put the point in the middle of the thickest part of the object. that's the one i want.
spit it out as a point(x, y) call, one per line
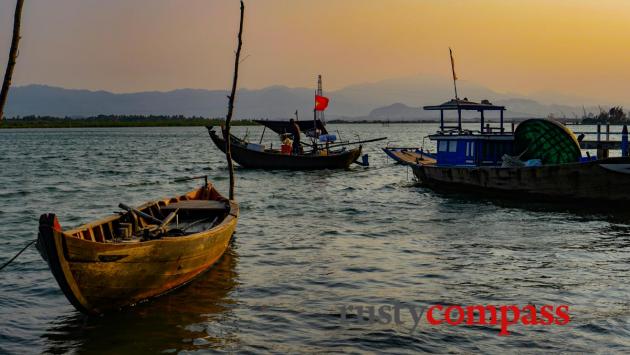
point(456, 315)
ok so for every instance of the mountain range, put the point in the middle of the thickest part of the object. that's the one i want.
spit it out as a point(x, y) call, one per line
point(399, 99)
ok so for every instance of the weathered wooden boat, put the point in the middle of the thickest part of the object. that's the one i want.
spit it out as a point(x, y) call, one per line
point(541, 159)
point(409, 156)
point(139, 254)
point(323, 151)
point(598, 180)
point(274, 159)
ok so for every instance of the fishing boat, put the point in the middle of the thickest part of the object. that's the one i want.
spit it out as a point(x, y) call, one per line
point(143, 252)
point(257, 157)
point(139, 253)
point(540, 159)
point(322, 151)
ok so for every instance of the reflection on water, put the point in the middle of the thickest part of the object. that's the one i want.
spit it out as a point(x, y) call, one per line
point(185, 319)
point(577, 210)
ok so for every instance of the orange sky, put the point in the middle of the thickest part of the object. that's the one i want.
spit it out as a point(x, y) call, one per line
point(574, 47)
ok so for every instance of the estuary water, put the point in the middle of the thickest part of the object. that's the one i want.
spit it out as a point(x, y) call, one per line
point(308, 245)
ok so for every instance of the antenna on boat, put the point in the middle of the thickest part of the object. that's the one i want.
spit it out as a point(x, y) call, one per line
point(453, 70)
point(228, 118)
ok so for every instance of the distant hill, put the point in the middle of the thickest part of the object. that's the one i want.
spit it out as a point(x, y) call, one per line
point(517, 108)
point(398, 111)
point(370, 100)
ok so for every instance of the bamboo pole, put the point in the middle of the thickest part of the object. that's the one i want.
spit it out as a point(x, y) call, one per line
point(13, 54)
point(232, 97)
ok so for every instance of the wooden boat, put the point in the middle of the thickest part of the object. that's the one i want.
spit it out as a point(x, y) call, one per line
point(274, 159)
point(133, 256)
point(541, 159)
point(409, 156)
point(598, 180)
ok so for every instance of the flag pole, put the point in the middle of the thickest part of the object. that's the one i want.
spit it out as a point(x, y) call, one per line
point(454, 75)
point(314, 124)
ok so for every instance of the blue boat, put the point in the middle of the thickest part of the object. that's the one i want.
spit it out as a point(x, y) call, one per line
point(539, 159)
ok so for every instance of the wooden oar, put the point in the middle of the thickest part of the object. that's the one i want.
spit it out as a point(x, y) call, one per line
point(358, 142)
point(334, 145)
point(141, 214)
point(168, 219)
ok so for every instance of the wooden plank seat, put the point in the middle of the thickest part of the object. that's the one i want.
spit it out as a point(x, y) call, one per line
point(196, 205)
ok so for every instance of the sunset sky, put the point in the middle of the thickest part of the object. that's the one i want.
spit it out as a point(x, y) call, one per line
point(573, 47)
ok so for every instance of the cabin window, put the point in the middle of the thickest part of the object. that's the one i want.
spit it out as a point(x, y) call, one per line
point(470, 149)
point(443, 146)
point(452, 146)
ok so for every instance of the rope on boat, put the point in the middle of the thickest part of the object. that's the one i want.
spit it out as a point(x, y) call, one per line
point(18, 254)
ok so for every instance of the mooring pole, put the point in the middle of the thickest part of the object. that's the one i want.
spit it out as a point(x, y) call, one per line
point(232, 97)
point(624, 141)
point(13, 54)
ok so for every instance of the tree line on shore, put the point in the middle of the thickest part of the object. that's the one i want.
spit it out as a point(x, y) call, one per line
point(114, 121)
point(615, 115)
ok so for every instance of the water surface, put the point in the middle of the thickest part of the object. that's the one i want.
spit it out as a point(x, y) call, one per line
point(307, 243)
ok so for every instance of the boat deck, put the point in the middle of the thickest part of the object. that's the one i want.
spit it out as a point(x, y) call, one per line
point(409, 156)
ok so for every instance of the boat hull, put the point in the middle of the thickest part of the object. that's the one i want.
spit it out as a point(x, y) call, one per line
point(99, 277)
point(252, 159)
point(601, 180)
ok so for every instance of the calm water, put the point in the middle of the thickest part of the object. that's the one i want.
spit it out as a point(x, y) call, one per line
point(306, 244)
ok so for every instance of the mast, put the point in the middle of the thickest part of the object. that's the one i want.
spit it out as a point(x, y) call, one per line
point(459, 111)
point(454, 75)
point(317, 115)
point(320, 92)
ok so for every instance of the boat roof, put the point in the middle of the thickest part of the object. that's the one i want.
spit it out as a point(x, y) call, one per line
point(465, 104)
point(281, 127)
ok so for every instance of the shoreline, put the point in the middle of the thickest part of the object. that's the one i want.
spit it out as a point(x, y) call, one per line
point(178, 121)
point(114, 122)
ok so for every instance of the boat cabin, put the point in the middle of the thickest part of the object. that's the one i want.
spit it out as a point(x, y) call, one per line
point(464, 147)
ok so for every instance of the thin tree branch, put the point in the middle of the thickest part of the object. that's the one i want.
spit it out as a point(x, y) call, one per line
point(13, 54)
point(232, 97)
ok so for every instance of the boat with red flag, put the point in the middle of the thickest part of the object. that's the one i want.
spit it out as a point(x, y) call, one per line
point(303, 145)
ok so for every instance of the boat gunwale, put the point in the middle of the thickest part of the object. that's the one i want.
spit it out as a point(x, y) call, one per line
point(239, 143)
point(598, 162)
point(253, 159)
point(232, 214)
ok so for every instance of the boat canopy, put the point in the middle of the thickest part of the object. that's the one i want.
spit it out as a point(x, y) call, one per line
point(465, 104)
point(460, 105)
point(282, 127)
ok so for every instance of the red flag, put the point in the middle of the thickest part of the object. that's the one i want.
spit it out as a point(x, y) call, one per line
point(321, 103)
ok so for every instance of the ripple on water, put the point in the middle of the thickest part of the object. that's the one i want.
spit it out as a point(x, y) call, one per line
point(307, 243)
